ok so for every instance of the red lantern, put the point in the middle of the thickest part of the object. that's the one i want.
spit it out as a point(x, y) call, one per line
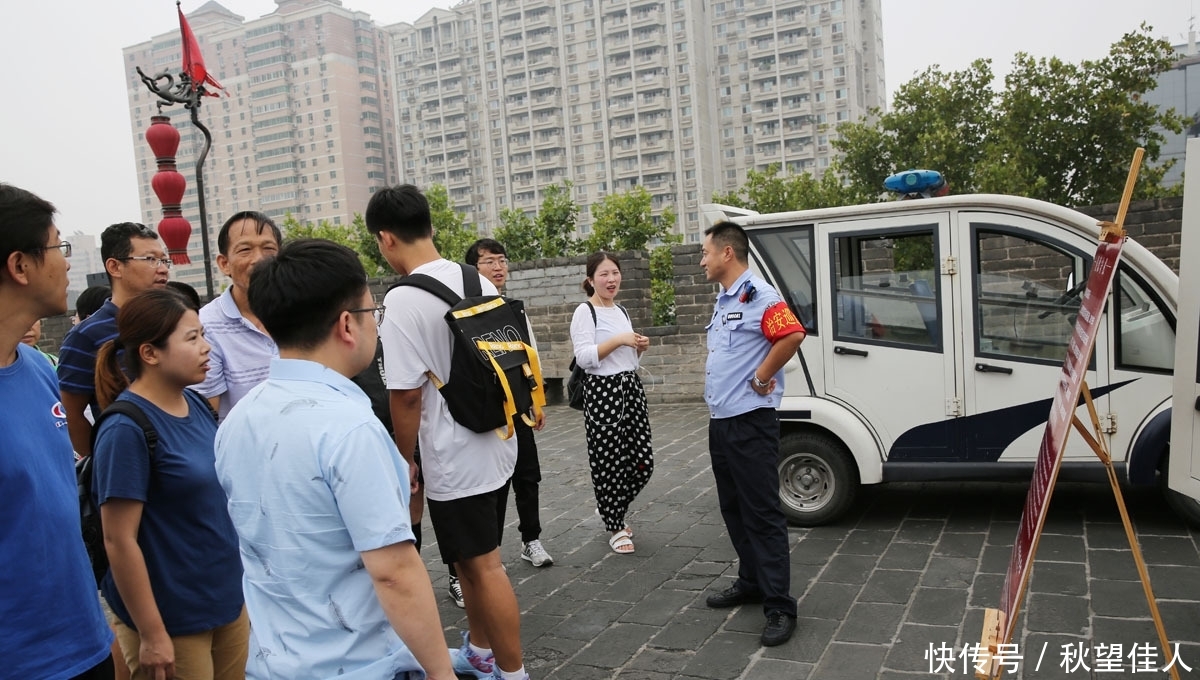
point(169, 186)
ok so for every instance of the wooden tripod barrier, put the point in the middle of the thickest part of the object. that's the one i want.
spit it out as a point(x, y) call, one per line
point(998, 623)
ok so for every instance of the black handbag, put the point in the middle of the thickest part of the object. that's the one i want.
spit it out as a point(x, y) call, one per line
point(575, 386)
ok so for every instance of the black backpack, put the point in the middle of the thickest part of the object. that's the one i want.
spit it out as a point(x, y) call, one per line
point(578, 375)
point(495, 373)
point(89, 514)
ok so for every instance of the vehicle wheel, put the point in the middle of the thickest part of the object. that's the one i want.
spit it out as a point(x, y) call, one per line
point(817, 478)
point(1186, 507)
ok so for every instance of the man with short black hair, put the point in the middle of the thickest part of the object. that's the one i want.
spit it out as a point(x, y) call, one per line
point(318, 492)
point(51, 625)
point(752, 335)
point(135, 262)
point(489, 257)
point(466, 473)
point(241, 349)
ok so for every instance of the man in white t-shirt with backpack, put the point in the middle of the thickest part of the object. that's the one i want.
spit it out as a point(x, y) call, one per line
point(465, 473)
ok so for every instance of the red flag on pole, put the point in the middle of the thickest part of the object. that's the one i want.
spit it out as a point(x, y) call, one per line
point(193, 61)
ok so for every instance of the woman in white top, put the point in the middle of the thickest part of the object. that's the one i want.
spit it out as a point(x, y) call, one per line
point(615, 416)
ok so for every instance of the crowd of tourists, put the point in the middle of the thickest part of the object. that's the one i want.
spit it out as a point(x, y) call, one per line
point(262, 463)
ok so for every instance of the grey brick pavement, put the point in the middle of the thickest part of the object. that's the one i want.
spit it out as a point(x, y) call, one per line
point(913, 565)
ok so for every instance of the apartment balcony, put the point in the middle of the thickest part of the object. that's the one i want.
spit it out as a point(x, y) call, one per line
point(547, 122)
point(538, 20)
point(451, 90)
point(621, 105)
point(456, 124)
point(756, 29)
point(512, 67)
point(642, 38)
point(620, 86)
point(456, 144)
point(456, 108)
point(522, 162)
point(656, 124)
point(620, 151)
point(647, 18)
point(459, 162)
point(548, 143)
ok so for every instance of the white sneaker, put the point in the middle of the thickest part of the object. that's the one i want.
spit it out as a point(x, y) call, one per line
point(535, 554)
point(456, 592)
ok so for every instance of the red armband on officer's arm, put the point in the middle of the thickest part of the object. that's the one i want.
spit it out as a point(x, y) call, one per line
point(779, 321)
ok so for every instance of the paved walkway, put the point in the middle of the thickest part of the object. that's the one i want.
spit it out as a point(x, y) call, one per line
point(914, 565)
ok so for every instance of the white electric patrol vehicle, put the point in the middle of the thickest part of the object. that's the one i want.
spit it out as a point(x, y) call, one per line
point(937, 330)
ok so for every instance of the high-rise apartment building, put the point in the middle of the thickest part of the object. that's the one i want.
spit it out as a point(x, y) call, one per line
point(1179, 89)
point(496, 99)
point(307, 127)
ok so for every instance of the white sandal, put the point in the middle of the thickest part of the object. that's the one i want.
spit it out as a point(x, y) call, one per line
point(620, 541)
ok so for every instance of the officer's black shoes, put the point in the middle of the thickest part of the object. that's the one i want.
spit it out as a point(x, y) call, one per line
point(732, 597)
point(779, 629)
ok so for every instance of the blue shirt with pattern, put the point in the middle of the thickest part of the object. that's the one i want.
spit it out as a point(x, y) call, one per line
point(313, 479)
point(737, 347)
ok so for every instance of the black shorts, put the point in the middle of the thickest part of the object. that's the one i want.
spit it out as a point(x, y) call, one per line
point(469, 527)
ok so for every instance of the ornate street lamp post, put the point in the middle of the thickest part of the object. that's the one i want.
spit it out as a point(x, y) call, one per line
point(163, 139)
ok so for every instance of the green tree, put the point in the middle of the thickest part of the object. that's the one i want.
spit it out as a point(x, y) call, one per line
point(354, 236)
point(1057, 131)
point(451, 235)
point(662, 286)
point(550, 234)
point(625, 222)
point(765, 191)
point(519, 235)
point(557, 220)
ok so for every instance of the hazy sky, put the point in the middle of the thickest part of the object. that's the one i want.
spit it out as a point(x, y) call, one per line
point(64, 123)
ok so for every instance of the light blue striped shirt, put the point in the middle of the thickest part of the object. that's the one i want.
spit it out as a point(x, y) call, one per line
point(241, 353)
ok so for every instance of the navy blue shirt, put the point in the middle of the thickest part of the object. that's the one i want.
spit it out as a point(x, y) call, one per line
point(186, 536)
point(77, 356)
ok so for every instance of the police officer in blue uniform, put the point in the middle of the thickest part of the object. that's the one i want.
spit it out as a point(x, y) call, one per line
point(752, 335)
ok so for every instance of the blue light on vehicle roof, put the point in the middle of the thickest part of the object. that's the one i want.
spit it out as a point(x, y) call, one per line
point(914, 181)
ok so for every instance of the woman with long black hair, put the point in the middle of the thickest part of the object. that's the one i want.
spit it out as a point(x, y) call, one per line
point(615, 417)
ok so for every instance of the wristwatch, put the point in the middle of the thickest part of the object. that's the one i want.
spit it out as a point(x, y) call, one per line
point(758, 383)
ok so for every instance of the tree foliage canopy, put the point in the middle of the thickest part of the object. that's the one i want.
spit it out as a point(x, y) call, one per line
point(625, 222)
point(451, 235)
point(766, 191)
point(354, 236)
point(1057, 131)
point(550, 234)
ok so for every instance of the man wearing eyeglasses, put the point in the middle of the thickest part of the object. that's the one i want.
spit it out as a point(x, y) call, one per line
point(52, 618)
point(489, 257)
point(135, 262)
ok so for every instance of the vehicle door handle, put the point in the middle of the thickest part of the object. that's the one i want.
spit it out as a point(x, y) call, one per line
point(988, 368)
point(850, 352)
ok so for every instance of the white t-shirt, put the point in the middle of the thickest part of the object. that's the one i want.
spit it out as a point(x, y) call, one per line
point(585, 338)
point(456, 461)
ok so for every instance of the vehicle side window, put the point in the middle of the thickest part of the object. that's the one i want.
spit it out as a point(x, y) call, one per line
point(886, 289)
point(788, 254)
point(1145, 332)
point(1027, 296)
